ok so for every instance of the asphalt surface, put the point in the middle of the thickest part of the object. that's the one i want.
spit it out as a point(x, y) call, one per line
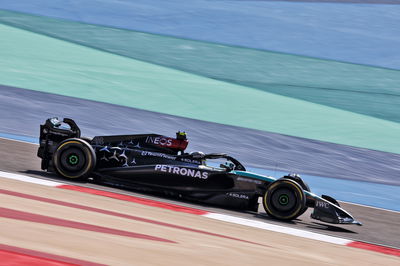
point(380, 226)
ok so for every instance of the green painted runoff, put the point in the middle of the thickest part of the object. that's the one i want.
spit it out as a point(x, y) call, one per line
point(361, 89)
point(37, 62)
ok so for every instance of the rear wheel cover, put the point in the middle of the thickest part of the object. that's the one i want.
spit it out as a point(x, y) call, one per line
point(74, 159)
point(284, 200)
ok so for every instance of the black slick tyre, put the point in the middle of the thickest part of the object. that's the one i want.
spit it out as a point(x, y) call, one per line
point(74, 159)
point(303, 185)
point(284, 199)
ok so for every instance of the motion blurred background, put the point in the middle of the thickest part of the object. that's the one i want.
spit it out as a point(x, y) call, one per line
point(285, 86)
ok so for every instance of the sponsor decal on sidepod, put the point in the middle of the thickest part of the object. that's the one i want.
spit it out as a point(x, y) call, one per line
point(181, 171)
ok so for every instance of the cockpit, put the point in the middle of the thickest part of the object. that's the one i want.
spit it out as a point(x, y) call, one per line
point(217, 161)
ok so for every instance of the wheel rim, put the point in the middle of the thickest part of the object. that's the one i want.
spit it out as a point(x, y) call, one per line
point(283, 199)
point(73, 159)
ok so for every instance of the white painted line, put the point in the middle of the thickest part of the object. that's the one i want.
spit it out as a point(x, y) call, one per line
point(278, 228)
point(29, 179)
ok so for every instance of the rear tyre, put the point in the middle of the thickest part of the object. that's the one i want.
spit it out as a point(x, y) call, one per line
point(74, 159)
point(284, 200)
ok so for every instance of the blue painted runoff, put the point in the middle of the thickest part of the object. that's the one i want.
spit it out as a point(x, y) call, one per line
point(365, 193)
point(19, 138)
point(358, 33)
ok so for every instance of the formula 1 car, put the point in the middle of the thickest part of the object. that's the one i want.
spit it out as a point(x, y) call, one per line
point(151, 162)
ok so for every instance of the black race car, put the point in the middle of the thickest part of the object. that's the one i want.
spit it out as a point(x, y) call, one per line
point(151, 162)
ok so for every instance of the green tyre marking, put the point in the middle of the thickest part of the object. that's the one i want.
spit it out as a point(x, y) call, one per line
point(73, 159)
point(283, 199)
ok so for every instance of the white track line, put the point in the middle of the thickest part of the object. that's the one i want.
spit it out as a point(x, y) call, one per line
point(29, 179)
point(278, 228)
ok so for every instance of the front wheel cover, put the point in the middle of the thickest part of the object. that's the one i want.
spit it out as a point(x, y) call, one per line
point(299, 181)
point(74, 159)
point(284, 199)
point(303, 185)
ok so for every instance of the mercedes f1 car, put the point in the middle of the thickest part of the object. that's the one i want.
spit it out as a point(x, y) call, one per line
point(151, 162)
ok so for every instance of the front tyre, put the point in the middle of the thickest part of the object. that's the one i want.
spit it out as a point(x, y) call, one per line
point(284, 199)
point(303, 185)
point(74, 159)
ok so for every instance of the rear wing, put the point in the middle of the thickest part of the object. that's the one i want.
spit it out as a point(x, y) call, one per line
point(52, 132)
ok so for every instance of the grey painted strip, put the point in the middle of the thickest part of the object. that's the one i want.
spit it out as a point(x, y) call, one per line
point(23, 110)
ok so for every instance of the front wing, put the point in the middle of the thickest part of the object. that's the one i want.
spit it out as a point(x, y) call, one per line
point(330, 212)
